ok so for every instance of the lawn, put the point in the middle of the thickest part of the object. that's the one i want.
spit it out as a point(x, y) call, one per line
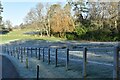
point(18, 35)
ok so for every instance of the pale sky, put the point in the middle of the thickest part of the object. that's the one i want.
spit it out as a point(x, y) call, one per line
point(16, 10)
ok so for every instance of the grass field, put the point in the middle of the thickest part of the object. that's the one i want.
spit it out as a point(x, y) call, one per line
point(18, 35)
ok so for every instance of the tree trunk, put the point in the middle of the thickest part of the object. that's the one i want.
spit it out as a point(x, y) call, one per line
point(41, 33)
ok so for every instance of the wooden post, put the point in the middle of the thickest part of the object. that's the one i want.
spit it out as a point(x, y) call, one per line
point(48, 55)
point(26, 62)
point(56, 57)
point(116, 63)
point(43, 54)
point(37, 72)
point(39, 54)
point(67, 59)
point(84, 62)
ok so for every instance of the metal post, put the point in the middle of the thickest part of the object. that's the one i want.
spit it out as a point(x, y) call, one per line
point(39, 54)
point(36, 52)
point(27, 49)
point(67, 60)
point(8, 50)
point(48, 55)
point(14, 51)
point(21, 55)
point(37, 72)
point(116, 63)
point(43, 54)
point(5, 49)
point(31, 51)
point(18, 53)
point(24, 50)
point(84, 61)
point(11, 51)
point(56, 57)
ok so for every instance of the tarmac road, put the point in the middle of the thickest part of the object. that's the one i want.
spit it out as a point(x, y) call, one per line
point(7, 69)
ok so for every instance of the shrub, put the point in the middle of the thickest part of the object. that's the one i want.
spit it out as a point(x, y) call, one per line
point(70, 36)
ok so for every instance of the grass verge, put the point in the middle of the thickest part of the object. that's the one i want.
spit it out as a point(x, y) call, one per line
point(19, 35)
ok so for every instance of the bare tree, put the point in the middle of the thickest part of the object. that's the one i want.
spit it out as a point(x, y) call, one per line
point(35, 18)
point(8, 24)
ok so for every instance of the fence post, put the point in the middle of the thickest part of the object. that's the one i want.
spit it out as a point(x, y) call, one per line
point(36, 52)
point(18, 53)
point(8, 50)
point(67, 59)
point(11, 51)
point(37, 72)
point(21, 55)
point(43, 54)
point(27, 51)
point(84, 62)
point(24, 50)
point(56, 57)
point(39, 54)
point(14, 51)
point(4, 49)
point(26, 62)
point(31, 51)
point(48, 55)
point(116, 63)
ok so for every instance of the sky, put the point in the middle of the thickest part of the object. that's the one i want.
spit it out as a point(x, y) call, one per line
point(16, 10)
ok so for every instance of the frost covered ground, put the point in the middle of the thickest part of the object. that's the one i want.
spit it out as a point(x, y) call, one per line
point(100, 65)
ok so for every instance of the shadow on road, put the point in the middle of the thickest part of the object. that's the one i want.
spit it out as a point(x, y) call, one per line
point(8, 69)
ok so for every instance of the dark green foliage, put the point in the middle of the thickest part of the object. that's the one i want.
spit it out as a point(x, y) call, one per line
point(100, 35)
point(70, 36)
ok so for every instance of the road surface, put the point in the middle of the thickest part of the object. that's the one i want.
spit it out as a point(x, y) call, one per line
point(7, 69)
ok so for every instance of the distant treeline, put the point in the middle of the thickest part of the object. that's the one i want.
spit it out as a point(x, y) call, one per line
point(80, 20)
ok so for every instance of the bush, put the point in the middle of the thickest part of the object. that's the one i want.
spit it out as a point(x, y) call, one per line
point(70, 36)
point(81, 30)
